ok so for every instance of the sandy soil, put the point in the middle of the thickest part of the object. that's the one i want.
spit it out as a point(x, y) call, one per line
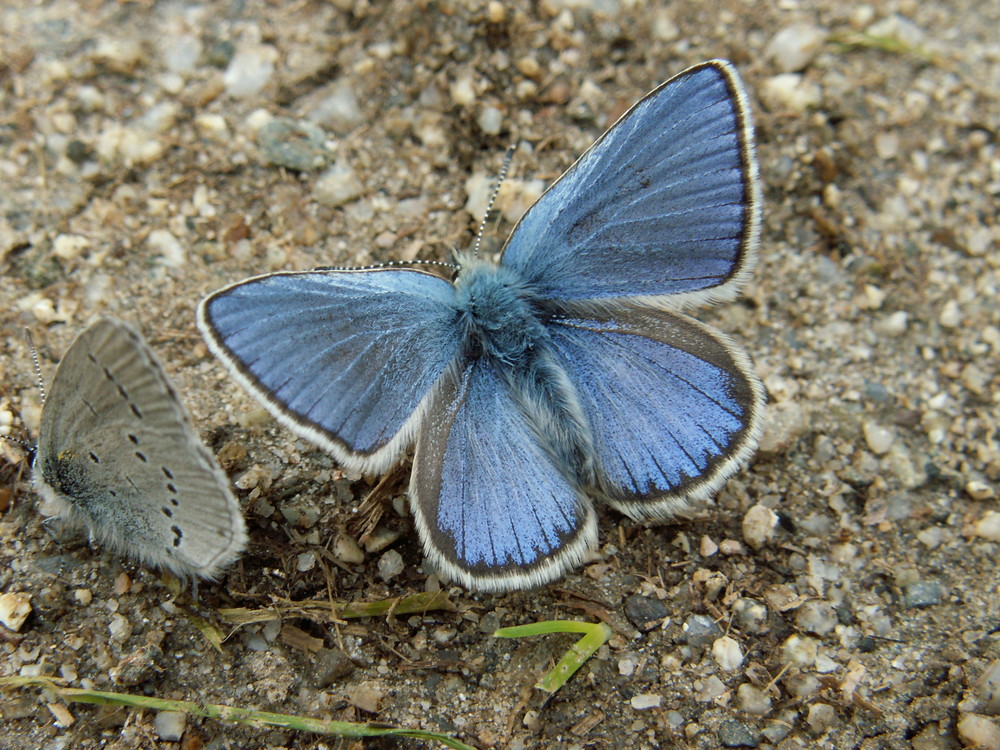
point(136, 178)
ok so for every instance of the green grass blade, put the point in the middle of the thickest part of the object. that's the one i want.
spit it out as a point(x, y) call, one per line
point(239, 715)
point(595, 635)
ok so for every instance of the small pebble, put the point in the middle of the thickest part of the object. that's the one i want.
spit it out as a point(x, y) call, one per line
point(701, 631)
point(887, 145)
point(212, 126)
point(816, 617)
point(250, 71)
point(367, 697)
point(730, 547)
point(293, 144)
point(988, 527)
point(119, 628)
point(69, 246)
point(758, 526)
point(921, 594)
point(893, 324)
point(979, 490)
point(951, 314)
point(122, 584)
point(978, 240)
point(988, 689)
point(781, 727)
point(14, 610)
point(170, 725)
point(751, 615)
point(979, 732)
point(338, 111)
point(489, 623)
point(495, 12)
point(61, 714)
point(790, 92)
point(802, 685)
point(337, 185)
point(390, 565)
point(898, 27)
point(733, 733)
point(752, 699)
point(181, 53)
point(712, 687)
point(645, 701)
point(83, 596)
point(331, 665)
point(879, 438)
point(627, 665)
point(794, 47)
point(490, 120)
point(800, 650)
point(306, 561)
point(165, 245)
point(379, 539)
point(645, 612)
point(346, 549)
point(727, 653)
point(821, 717)
point(463, 90)
point(931, 537)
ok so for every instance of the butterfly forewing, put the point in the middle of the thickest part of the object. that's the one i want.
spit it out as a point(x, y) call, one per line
point(663, 208)
point(346, 358)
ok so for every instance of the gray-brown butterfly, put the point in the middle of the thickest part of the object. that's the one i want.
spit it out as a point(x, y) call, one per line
point(117, 454)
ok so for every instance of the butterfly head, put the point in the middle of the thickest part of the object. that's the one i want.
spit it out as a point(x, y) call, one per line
point(498, 312)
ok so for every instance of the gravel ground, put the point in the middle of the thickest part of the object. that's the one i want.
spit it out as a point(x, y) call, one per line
point(154, 151)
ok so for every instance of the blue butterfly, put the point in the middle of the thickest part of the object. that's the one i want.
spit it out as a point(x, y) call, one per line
point(566, 371)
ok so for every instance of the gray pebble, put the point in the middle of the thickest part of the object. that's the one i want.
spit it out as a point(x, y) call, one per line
point(390, 565)
point(294, 144)
point(701, 631)
point(645, 612)
point(489, 623)
point(331, 665)
point(922, 594)
point(733, 733)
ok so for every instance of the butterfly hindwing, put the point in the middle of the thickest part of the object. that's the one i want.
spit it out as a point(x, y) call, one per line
point(493, 509)
point(346, 358)
point(663, 208)
point(674, 406)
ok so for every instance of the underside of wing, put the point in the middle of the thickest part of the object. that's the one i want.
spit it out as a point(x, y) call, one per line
point(664, 208)
point(493, 510)
point(346, 359)
point(109, 374)
point(674, 406)
point(163, 502)
point(118, 454)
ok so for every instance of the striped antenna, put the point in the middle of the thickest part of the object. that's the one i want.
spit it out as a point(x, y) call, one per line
point(34, 360)
point(507, 157)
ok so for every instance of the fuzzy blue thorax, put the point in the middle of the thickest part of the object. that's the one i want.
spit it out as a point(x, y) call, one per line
point(498, 314)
